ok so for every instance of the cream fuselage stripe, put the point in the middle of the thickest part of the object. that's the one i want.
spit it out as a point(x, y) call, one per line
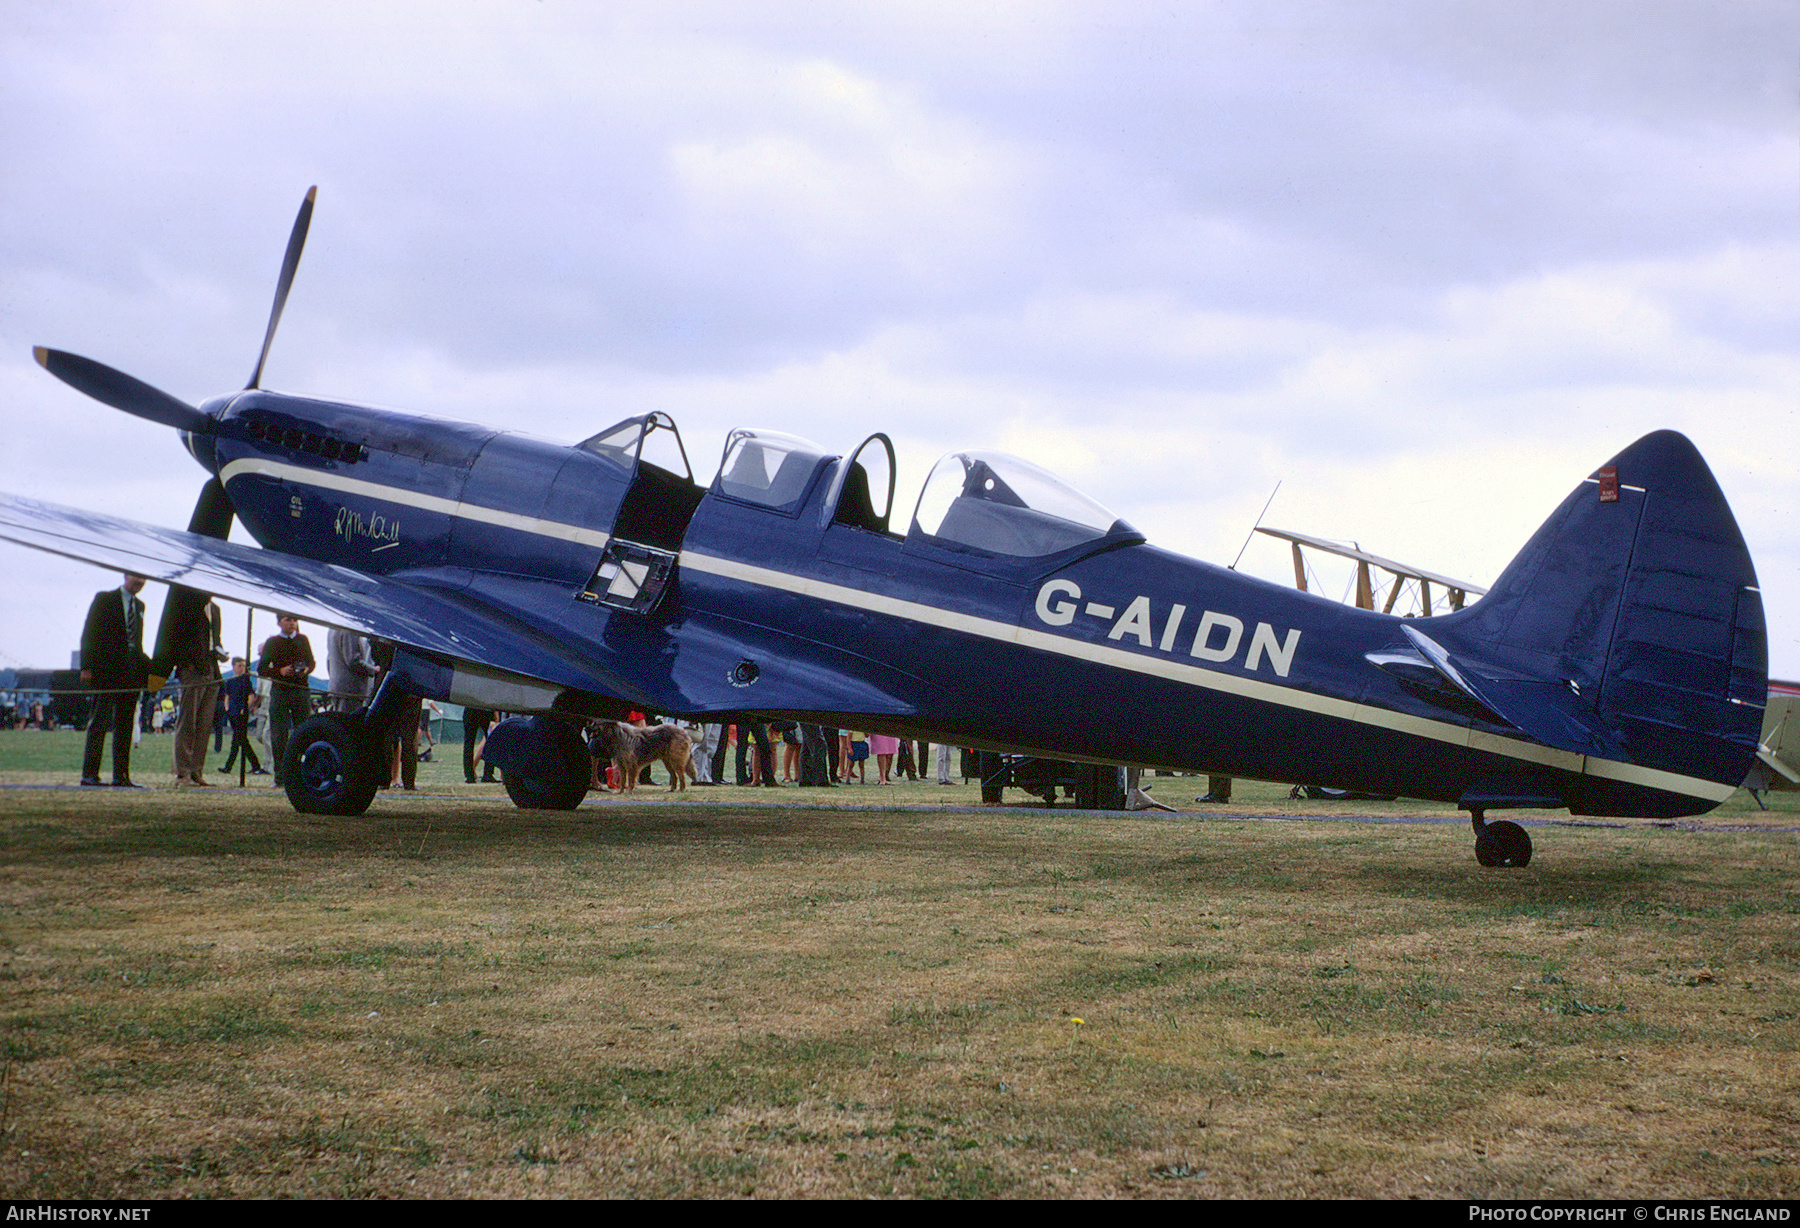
point(1027, 637)
point(1193, 675)
point(257, 466)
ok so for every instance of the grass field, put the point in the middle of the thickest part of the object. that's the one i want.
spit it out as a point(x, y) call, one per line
point(863, 993)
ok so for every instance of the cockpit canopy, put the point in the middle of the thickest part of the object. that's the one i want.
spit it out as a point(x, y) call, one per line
point(985, 502)
point(769, 468)
point(1003, 505)
point(645, 438)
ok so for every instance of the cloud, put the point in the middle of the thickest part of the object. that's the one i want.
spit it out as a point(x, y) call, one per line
point(1427, 264)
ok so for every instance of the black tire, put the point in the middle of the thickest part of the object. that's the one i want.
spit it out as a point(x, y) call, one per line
point(329, 767)
point(1503, 844)
point(531, 793)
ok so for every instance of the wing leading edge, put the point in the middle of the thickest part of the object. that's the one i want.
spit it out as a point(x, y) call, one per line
point(486, 654)
point(437, 621)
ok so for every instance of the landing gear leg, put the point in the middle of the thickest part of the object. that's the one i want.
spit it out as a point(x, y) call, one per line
point(1501, 843)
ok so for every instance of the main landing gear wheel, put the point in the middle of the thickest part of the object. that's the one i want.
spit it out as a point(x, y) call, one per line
point(531, 793)
point(330, 767)
point(1501, 844)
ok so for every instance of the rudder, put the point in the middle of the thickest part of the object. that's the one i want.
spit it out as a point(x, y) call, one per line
point(1644, 608)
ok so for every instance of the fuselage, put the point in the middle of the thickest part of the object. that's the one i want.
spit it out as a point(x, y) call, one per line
point(1110, 651)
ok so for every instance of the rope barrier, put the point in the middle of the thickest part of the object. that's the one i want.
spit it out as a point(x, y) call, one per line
point(164, 689)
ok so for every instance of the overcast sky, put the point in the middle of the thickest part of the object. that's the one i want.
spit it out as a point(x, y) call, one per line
point(1426, 264)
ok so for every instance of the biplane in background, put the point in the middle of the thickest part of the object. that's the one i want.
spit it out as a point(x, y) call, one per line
point(1777, 764)
point(1455, 592)
point(1616, 667)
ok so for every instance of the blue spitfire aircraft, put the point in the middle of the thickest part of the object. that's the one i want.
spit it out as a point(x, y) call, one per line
point(1616, 667)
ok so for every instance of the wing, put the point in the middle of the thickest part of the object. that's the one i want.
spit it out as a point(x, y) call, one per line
point(436, 620)
point(496, 656)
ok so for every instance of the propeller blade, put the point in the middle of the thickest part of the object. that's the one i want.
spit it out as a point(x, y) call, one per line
point(213, 512)
point(121, 391)
point(184, 608)
point(289, 263)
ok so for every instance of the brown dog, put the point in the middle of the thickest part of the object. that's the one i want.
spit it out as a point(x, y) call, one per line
point(630, 747)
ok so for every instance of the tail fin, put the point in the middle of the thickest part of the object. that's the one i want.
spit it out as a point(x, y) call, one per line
point(1630, 626)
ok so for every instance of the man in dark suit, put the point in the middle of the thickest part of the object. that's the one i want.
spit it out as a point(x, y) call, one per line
point(113, 663)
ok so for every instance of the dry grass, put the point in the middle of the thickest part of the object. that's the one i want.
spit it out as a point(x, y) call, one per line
point(207, 994)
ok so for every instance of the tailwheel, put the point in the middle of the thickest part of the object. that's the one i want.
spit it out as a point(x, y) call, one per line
point(533, 793)
point(331, 766)
point(1501, 844)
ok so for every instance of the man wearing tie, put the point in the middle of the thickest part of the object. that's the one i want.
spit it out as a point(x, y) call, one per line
point(113, 663)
